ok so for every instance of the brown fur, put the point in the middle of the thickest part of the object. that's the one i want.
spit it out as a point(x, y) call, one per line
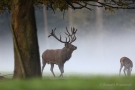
point(58, 56)
point(128, 65)
point(126, 60)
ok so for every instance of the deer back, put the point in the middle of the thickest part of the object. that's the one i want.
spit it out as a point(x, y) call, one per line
point(126, 60)
point(52, 56)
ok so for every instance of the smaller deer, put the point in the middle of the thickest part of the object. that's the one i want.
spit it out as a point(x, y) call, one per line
point(59, 56)
point(128, 65)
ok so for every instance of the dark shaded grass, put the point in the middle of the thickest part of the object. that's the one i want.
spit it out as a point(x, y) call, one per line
point(71, 83)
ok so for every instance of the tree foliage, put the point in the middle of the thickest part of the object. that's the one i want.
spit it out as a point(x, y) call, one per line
point(76, 4)
point(5, 5)
point(79, 4)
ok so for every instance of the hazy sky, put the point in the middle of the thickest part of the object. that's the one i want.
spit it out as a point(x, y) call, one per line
point(102, 39)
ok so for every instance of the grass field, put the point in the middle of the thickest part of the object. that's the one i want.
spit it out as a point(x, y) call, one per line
point(71, 82)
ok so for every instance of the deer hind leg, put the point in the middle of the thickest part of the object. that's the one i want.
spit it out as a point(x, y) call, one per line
point(121, 66)
point(128, 69)
point(124, 71)
point(43, 67)
point(52, 66)
point(129, 72)
point(61, 67)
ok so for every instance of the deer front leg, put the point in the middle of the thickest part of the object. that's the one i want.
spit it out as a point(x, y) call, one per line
point(52, 66)
point(120, 69)
point(61, 67)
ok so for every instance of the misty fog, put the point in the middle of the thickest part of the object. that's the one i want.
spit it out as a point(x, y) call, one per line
point(102, 39)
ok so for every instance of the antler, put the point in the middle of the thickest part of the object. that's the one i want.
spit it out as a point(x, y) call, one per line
point(70, 36)
point(53, 34)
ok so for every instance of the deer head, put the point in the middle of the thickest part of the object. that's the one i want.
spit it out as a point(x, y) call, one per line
point(71, 38)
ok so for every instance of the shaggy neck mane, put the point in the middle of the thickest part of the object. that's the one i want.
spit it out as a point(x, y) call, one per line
point(66, 53)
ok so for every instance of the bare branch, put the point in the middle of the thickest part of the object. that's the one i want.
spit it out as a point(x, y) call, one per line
point(83, 6)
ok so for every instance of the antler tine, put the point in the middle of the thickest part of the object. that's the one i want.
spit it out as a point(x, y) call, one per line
point(73, 37)
point(59, 39)
point(52, 33)
point(66, 39)
point(74, 30)
point(69, 39)
point(67, 32)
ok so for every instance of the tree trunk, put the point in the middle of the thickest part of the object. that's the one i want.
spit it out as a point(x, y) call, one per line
point(26, 50)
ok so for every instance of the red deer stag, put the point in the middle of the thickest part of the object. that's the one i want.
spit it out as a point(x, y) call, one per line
point(60, 56)
point(127, 63)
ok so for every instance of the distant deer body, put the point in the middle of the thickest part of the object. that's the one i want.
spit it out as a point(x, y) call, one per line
point(127, 63)
point(59, 56)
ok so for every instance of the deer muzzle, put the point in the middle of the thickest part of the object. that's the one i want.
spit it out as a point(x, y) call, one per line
point(75, 48)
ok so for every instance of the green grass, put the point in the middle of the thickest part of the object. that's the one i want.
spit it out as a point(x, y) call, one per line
point(71, 83)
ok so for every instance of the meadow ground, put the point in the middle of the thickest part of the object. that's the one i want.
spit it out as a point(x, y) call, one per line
point(71, 82)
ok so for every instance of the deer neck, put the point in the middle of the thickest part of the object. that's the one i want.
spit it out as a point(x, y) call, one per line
point(66, 53)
